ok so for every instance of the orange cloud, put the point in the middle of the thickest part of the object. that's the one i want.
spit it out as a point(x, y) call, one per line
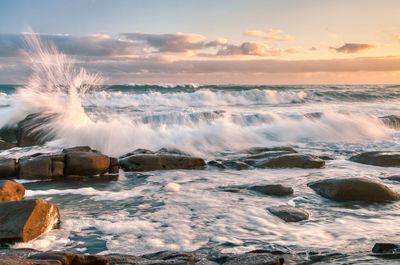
point(397, 36)
point(270, 35)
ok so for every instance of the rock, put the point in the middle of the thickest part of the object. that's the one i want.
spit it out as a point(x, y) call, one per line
point(29, 132)
point(289, 214)
point(391, 121)
point(146, 161)
point(6, 145)
point(27, 219)
point(216, 164)
point(325, 157)
point(292, 161)
point(127, 259)
point(258, 150)
point(387, 250)
point(378, 158)
point(354, 189)
point(237, 165)
point(394, 178)
point(257, 257)
point(114, 167)
point(86, 163)
point(41, 166)
point(11, 191)
point(173, 257)
point(9, 134)
point(272, 189)
point(67, 258)
point(7, 167)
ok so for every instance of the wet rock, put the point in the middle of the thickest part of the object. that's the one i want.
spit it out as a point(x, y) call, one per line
point(29, 132)
point(237, 165)
point(9, 134)
point(391, 121)
point(147, 161)
point(258, 257)
point(272, 189)
point(394, 178)
point(127, 259)
point(67, 258)
point(11, 191)
point(354, 189)
point(325, 157)
point(216, 164)
point(258, 150)
point(159, 258)
point(289, 214)
point(41, 166)
point(7, 167)
point(85, 163)
point(292, 161)
point(378, 158)
point(386, 250)
point(27, 219)
point(114, 167)
point(6, 145)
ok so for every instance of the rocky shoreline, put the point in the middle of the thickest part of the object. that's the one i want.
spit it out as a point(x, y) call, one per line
point(22, 219)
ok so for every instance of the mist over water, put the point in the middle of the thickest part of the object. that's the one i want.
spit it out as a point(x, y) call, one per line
point(137, 215)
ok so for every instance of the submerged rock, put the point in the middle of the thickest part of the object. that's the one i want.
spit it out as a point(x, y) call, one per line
point(144, 160)
point(237, 165)
point(289, 214)
point(378, 158)
point(272, 189)
point(387, 250)
point(391, 121)
point(25, 220)
point(11, 191)
point(7, 167)
point(354, 189)
point(259, 257)
point(216, 164)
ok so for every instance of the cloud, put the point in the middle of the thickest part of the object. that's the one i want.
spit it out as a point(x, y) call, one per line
point(176, 43)
point(249, 48)
point(397, 36)
point(90, 45)
point(353, 48)
point(270, 35)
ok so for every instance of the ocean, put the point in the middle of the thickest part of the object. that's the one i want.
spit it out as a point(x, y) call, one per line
point(136, 214)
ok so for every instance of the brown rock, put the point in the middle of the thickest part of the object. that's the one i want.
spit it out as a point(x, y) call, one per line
point(67, 258)
point(35, 167)
point(378, 158)
point(289, 214)
point(86, 163)
point(114, 167)
point(27, 219)
point(354, 189)
point(7, 167)
point(6, 145)
point(292, 161)
point(11, 191)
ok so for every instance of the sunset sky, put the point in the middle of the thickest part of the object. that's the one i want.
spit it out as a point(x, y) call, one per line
point(211, 41)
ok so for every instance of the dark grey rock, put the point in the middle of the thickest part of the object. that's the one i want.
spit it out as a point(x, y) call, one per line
point(394, 178)
point(289, 214)
point(378, 158)
point(257, 257)
point(272, 189)
point(29, 132)
point(237, 165)
point(387, 250)
point(391, 121)
point(216, 164)
point(292, 161)
point(7, 167)
point(6, 145)
point(354, 189)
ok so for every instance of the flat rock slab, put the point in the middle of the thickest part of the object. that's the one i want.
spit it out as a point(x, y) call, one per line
point(289, 214)
point(272, 189)
point(11, 191)
point(378, 158)
point(21, 221)
point(144, 160)
point(354, 189)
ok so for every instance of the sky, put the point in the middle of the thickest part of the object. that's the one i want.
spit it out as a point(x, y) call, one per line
point(210, 41)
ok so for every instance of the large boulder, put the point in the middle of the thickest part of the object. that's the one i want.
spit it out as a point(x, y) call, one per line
point(85, 161)
point(41, 166)
point(144, 160)
point(11, 191)
point(29, 132)
point(354, 189)
point(21, 221)
point(378, 158)
point(7, 167)
point(289, 214)
point(68, 258)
